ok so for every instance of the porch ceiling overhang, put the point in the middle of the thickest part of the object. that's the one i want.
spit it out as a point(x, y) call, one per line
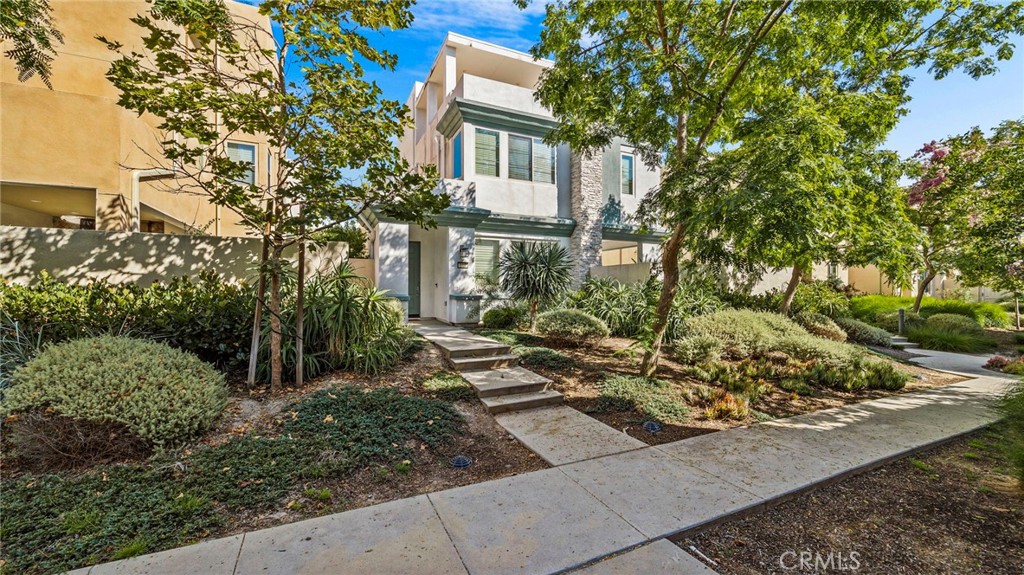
point(487, 115)
point(488, 221)
point(628, 233)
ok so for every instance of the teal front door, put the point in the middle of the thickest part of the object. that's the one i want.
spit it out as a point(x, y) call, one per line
point(414, 279)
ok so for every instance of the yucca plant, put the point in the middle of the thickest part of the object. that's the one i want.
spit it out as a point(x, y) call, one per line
point(535, 273)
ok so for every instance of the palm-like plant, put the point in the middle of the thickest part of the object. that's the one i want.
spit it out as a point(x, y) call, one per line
point(535, 273)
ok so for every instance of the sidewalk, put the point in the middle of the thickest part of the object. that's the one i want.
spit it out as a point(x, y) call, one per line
point(574, 515)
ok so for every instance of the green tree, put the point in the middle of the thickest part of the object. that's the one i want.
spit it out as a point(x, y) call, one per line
point(676, 79)
point(535, 273)
point(304, 91)
point(350, 232)
point(28, 26)
point(993, 167)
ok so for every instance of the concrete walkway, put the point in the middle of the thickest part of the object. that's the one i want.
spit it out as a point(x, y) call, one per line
point(620, 506)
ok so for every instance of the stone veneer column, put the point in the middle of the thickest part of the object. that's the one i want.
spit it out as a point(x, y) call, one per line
point(587, 195)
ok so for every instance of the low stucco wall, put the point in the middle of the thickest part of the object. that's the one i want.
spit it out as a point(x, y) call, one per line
point(78, 256)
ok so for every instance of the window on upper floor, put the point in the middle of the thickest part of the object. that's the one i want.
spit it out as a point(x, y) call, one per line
point(241, 152)
point(530, 159)
point(486, 258)
point(627, 182)
point(487, 152)
point(457, 156)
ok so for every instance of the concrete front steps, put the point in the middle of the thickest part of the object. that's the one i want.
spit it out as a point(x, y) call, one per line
point(491, 368)
point(900, 342)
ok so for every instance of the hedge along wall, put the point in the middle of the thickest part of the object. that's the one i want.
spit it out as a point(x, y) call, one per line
point(79, 256)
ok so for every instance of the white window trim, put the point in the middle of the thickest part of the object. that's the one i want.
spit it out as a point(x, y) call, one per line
point(554, 166)
point(632, 191)
point(255, 157)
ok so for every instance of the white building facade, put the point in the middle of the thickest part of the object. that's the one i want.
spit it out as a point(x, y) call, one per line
point(476, 119)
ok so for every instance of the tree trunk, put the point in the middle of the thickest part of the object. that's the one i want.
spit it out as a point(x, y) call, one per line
point(257, 322)
point(533, 314)
point(1016, 308)
point(299, 289)
point(275, 323)
point(794, 282)
point(925, 280)
point(670, 269)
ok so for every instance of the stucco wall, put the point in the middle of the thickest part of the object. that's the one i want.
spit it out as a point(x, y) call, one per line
point(79, 256)
point(626, 273)
point(76, 135)
point(779, 279)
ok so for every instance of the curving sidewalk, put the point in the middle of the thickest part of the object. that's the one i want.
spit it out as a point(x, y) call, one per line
point(622, 506)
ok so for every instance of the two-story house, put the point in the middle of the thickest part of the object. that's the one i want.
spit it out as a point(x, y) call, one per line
point(476, 119)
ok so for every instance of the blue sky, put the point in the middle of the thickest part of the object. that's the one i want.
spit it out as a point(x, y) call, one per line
point(938, 109)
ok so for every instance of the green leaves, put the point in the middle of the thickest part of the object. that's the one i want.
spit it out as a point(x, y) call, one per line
point(535, 272)
point(28, 25)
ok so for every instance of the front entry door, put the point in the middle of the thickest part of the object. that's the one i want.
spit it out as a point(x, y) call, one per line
point(414, 279)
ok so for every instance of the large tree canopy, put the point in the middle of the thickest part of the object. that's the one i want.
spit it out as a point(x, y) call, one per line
point(28, 26)
point(304, 92)
point(689, 82)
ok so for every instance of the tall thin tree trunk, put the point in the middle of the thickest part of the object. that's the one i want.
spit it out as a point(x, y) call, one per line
point(275, 322)
point(1016, 308)
point(925, 280)
point(794, 282)
point(299, 334)
point(533, 314)
point(670, 270)
point(261, 293)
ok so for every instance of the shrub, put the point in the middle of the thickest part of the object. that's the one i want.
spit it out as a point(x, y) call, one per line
point(18, 344)
point(728, 406)
point(743, 333)
point(543, 357)
point(628, 309)
point(535, 273)
point(997, 362)
point(653, 398)
point(806, 347)
point(820, 297)
point(512, 338)
point(449, 386)
point(508, 317)
point(944, 339)
point(205, 315)
point(698, 349)
point(953, 322)
point(1013, 407)
point(163, 395)
point(571, 326)
point(1015, 367)
point(51, 442)
point(890, 321)
point(860, 332)
point(820, 325)
point(868, 308)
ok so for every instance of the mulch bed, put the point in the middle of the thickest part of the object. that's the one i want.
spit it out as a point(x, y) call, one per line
point(592, 364)
point(952, 510)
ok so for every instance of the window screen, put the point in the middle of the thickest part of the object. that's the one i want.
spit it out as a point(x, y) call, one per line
point(543, 162)
point(486, 152)
point(239, 152)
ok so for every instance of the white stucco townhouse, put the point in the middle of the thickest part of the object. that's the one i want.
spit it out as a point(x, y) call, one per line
point(476, 119)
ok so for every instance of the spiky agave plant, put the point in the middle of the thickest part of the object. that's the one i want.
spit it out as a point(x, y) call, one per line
point(535, 273)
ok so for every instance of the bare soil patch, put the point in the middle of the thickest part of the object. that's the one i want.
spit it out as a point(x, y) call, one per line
point(953, 509)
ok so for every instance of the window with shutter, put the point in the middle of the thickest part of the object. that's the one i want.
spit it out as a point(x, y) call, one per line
point(244, 153)
point(519, 156)
point(485, 259)
point(626, 180)
point(487, 152)
point(543, 162)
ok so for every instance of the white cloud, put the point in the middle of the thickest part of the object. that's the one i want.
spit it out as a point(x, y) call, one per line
point(498, 21)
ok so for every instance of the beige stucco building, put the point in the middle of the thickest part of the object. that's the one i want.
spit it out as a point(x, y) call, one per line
point(71, 157)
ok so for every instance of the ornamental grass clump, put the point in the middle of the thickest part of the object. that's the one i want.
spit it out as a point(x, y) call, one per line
point(820, 325)
point(162, 395)
point(571, 327)
point(862, 333)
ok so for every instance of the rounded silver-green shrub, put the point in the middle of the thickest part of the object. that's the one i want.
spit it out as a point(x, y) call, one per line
point(698, 349)
point(571, 326)
point(163, 395)
point(820, 325)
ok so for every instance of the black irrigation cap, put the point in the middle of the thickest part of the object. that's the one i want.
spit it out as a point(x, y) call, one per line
point(652, 426)
point(461, 462)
